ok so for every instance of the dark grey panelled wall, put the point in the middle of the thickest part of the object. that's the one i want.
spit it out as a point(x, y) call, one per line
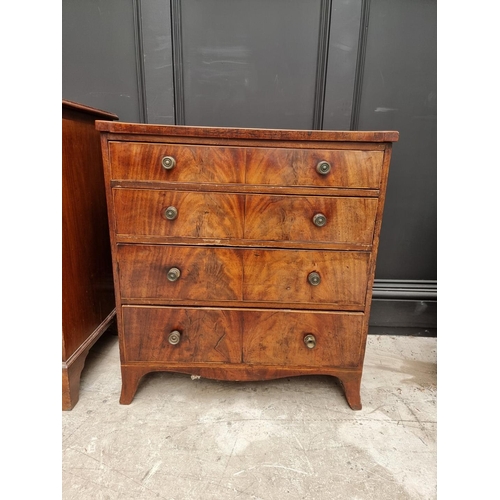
point(399, 93)
point(301, 64)
point(343, 49)
point(158, 97)
point(99, 56)
point(249, 64)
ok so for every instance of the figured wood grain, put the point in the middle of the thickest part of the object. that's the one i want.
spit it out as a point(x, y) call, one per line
point(245, 256)
point(258, 276)
point(200, 215)
point(219, 216)
point(290, 218)
point(206, 335)
point(206, 273)
point(297, 167)
point(281, 275)
point(277, 338)
point(261, 337)
point(200, 164)
point(266, 166)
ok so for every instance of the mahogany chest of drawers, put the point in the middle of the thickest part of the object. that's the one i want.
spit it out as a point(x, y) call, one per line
point(243, 254)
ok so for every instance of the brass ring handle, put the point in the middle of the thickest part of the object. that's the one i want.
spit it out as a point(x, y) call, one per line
point(171, 213)
point(310, 341)
point(173, 274)
point(323, 167)
point(168, 162)
point(174, 337)
point(314, 278)
point(319, 220)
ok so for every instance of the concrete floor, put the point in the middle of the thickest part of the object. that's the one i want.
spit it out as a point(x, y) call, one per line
point(184, 439)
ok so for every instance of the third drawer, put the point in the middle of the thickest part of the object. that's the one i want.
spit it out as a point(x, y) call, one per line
point(294, 278)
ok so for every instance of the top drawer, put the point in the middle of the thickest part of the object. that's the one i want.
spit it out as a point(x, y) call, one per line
point(301, 167)
point(238, 165)
point(205, 164)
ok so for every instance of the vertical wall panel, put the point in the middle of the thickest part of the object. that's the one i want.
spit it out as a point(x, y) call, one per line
point(157, 44)
point(342, 56)
point(250, 64)
point(399, 93)
point(99, 66)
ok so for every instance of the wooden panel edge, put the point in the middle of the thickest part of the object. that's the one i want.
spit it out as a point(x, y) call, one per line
point(248, 133)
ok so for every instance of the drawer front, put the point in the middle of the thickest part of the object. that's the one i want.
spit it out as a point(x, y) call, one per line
point(199, 215)
point(255, 336)
point(253, 217)
point(297, 167)
point(280, 338)
point(298, 218)
point(224, 274)
point(283, 276)
point(143, 162)
point(233, 165)
point(205, 274)
point(205, 335)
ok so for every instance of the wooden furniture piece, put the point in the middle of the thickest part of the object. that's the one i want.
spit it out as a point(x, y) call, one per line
point(88, 306)
point(243, 254)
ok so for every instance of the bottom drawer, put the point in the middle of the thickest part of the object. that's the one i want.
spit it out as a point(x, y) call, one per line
point(206, 335)
point(282, 338)
point(250, 336)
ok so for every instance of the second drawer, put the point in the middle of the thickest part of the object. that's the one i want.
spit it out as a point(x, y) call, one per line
point(227, 216)
point(211, 274)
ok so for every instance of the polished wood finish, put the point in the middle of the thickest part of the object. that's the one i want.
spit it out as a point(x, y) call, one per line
point(262, 337)
point(245, 244)
point(282, 276)
point(223, 274)
point(253, 217)
point(277, 338)
point(253, 134)
point(200, 215)
point(207, 274)
point(88, 306)
point(207, 335)
point(193, 163)
point(203, 164)
point(242, 188)
point(290, 218)
point(292, 167)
